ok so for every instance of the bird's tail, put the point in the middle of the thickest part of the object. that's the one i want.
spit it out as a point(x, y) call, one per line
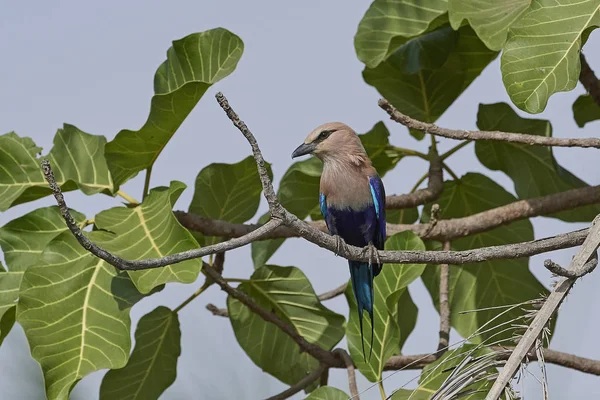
point(361, 274)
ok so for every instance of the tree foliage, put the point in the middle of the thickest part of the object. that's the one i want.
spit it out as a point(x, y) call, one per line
point(420, 56)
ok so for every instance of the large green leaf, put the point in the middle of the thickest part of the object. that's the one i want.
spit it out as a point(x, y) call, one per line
point(230, 192)
point(391, 328)
point(585, 110)
point(193, 64)
point(287, 292)
point(388, 24)
point(9, 290)
point(328, 393)
point(490, 283)
point(150, 230)
point(426, 75)
point(541, 55)
point(74, 309)
point(533, 169)
point(299, 193)
point(22, 241)
point(489, 19)
point(436, 374)
point(77, 159)
point(152, 367)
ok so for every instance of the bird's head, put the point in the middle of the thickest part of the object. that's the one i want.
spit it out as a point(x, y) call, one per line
point(330, 140)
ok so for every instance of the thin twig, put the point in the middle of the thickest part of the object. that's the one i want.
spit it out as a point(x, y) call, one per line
point(351, 372)
point(220, 312)
point(444, 305)
point(542, 317)
point(560, 271)
point(333, 292)
point(484, 135)
point(302, 384)
point(588, 80)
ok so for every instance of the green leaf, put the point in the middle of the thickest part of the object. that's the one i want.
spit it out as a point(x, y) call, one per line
point(406, 315)
point(328, 393)
point(489, 283)
point(229, 192)
point(585, 110)
point(299, 193)
point(377, 145)
point(489, 19)
point(388, 24)
point(193, 64)
point(389, 288)
point(402, 216)
point(436, 374)
point(150, 230)
point(77, 159)
point(541, 55)
point(22, 241)
point(428, 89)
point(74, 309)
point(533, 169)
point(152, 367)
point(287, 292)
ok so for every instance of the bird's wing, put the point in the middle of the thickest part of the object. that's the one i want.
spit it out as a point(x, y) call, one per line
point(323, 205)
point(378, 193)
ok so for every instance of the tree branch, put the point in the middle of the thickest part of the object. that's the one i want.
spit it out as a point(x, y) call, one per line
point(435, 185)
point(302, 384)
point(448, 229)
point(343, 354)
point(560, 271)
point(444, 306)
point(548, 309)
point(456, 134)
point(333, 292)
point(588, 79)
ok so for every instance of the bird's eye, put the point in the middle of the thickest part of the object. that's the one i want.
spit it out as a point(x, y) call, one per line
point(325, 134)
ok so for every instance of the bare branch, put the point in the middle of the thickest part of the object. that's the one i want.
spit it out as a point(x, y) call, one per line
point(301, 385)
point(435, 185)
point(219, 312)
point(582, 364)
point(448, 229)
point(560, 271)
point(549, 307)
point(588, 79)
point(324, 356)
point(444, 306)
point(334, 292)
point(351, 372)
point(484, 135)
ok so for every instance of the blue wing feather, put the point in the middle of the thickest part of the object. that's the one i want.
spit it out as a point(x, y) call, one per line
point(323, 205)
point(378, 194)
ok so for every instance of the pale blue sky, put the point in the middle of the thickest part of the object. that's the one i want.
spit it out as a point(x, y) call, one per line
point(92, 65)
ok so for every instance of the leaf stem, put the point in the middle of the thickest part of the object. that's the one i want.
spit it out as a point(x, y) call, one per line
point(147, 182)
point(192, 297)
point(381, 390)
point(127, 197)
point(235, 280)
point(411, 152)
point(421, 180)
point(447, 168)
point(454, 149)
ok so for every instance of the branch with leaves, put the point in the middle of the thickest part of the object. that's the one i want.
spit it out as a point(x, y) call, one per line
point(282, 217)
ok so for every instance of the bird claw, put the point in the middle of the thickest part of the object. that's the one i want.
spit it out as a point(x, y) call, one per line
point(339, 243)
point(373, 253)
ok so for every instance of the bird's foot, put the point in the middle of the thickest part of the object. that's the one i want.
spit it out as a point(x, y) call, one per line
point(373, 254)
point(339, 244)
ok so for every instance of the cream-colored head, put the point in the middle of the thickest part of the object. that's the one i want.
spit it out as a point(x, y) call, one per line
point(333, 141)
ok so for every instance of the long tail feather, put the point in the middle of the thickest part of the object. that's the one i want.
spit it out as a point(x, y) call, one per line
point(361, 274)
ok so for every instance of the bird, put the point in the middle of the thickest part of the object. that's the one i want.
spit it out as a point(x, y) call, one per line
point(352, 202)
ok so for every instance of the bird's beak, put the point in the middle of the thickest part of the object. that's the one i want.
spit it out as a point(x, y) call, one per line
point(304, 149)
